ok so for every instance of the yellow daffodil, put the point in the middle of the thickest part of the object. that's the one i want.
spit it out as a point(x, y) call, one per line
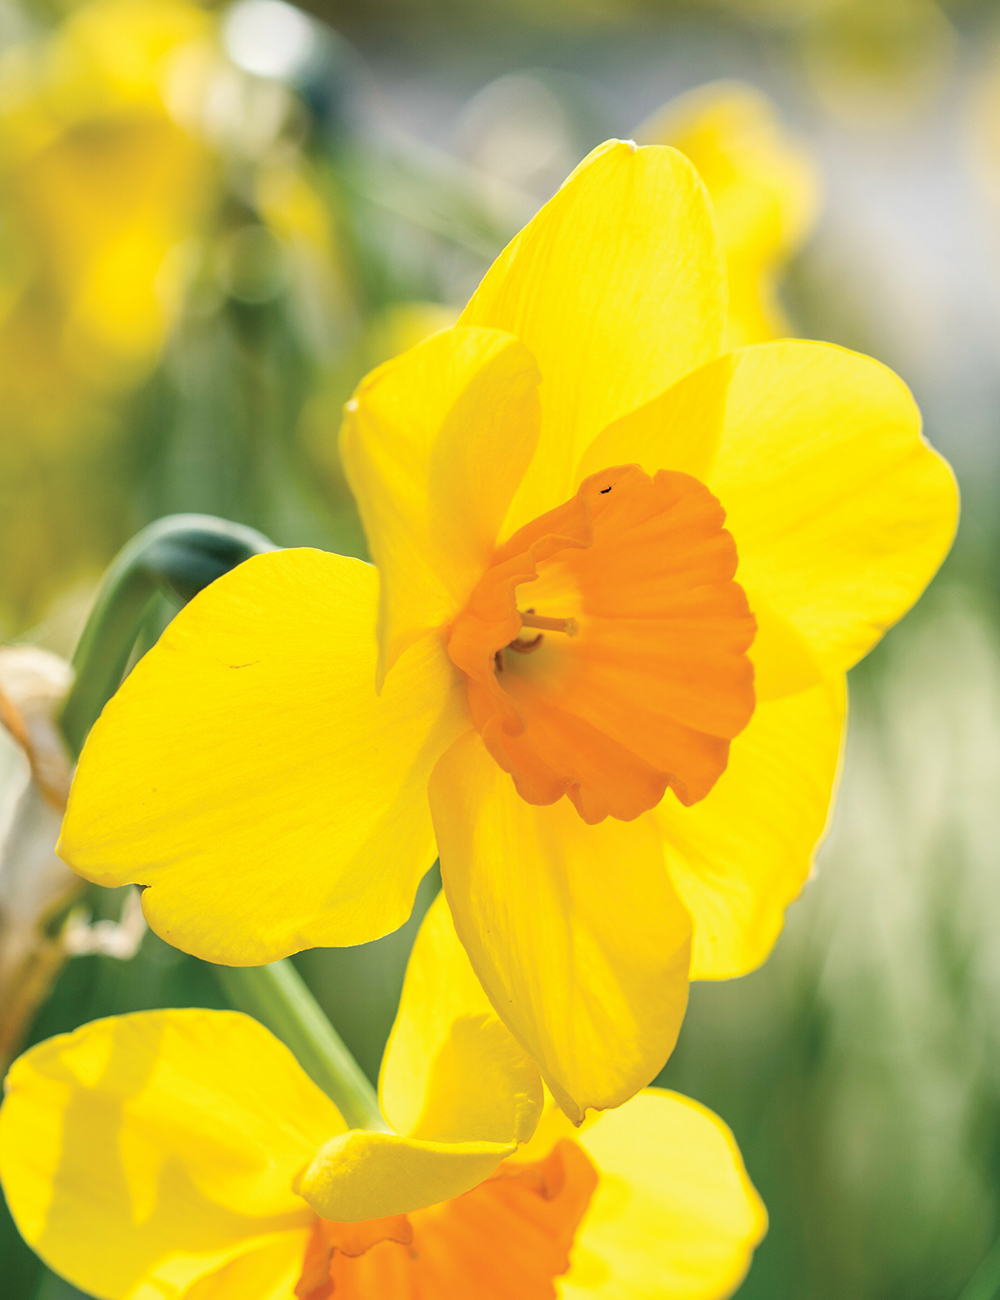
point(102, 183)
point(100, 194)
point(552, 680)
point(764, 187)
point(185, 1153)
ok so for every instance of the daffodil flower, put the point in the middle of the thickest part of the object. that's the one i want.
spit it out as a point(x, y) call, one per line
point(185, 1153)
point(764, 186)
point(615, 719)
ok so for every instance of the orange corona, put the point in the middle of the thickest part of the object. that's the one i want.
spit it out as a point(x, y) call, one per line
point(638, 678)
point(507, 1239)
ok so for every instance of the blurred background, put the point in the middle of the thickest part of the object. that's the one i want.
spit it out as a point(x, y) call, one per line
point(213, 221)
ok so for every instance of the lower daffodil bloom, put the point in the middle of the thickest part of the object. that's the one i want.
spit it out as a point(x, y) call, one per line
point(616, 720)
point(185, 1153)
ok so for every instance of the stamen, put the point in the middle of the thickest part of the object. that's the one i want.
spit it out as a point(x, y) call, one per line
point(567, 625)
point(525, 647)
point(530, 619)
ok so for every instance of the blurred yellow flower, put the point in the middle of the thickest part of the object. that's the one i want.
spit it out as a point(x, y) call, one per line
point(764, 185)
point(555, 603)
point(99, 190)
point(140, 172)
point(185, 1153)
point(101, 184)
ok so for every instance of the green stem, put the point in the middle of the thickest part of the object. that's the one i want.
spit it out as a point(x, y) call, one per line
point(985, 1281)
point(178, 555)
point(279, 998)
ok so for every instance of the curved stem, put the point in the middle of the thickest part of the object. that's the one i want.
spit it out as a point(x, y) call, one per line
point(279, 998)
point(178, 556)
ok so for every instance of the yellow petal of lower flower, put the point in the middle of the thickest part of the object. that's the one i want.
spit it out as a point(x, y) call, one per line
point(269, 1270)
point(674, 1214)
point(434, 445)
point(574, 930)
point(248, 773)
point(364, 1175)
point(149, 1150)
point(840, 511)
point(739, 857)
point(617, 287)
point(451, 1071)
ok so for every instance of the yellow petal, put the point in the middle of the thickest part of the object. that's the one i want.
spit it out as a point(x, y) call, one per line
point(362, 1175)
point(248, 773)
point(574, 930)
point(674, 1214)
point(148, 1150)
point(269, 1270)
point(678, 429)
point(738, 858)
point(553, 1126)
point(841, 511)
point(452, 1072)
point(764, 187)
point(434, 445)
point(617, 287)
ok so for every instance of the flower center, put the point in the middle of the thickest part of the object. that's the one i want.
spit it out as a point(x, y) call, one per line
point(633, 676)
point(530, 619)
point(507, 1239)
